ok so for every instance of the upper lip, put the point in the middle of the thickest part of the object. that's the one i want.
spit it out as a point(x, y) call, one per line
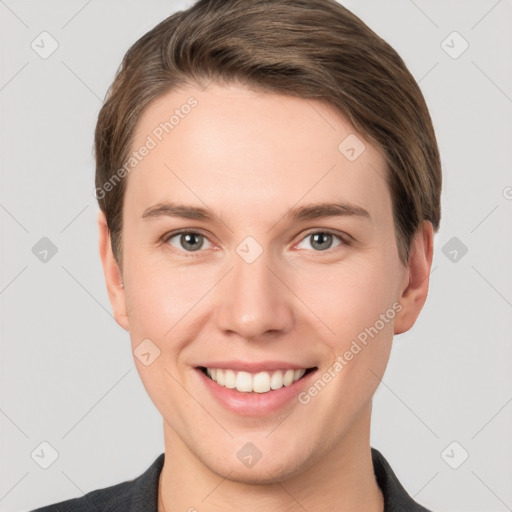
point(254, 366)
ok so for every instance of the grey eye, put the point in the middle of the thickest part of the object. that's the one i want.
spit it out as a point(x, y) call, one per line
point(321, 240)
point(188, 241)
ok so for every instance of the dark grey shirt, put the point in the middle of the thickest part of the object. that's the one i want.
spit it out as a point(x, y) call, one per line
point(141, 493)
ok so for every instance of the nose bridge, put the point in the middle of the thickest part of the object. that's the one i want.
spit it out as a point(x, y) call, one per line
point(252, 301)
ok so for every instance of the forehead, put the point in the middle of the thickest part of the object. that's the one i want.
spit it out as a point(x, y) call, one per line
point(233, 146)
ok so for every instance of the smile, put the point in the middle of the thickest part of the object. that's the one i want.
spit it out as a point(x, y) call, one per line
point(261, 382)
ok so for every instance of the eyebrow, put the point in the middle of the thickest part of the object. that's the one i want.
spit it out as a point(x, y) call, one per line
point(299, 213)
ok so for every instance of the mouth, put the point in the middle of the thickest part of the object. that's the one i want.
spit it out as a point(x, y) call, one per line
point(260, 382)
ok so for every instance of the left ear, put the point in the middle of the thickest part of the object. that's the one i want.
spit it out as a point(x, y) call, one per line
point(414, 293)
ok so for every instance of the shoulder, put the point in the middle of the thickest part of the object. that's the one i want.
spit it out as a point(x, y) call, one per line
point(130, 496)
point(396, 498)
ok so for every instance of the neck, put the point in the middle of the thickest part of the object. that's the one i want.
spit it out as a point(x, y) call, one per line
point(341, 480)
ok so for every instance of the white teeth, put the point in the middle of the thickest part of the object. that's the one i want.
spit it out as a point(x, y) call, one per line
point(243, 381)
point(261, 382)
point(288, 377)
point(276, 381)
point(229, 379)
point(220, 377)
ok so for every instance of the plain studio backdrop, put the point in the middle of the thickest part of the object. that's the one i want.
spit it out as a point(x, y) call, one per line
point(443, 412)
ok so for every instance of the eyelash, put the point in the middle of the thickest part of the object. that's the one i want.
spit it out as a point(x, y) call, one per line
point(345, 241)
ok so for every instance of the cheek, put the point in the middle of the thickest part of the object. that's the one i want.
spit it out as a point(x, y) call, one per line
point(164, 305)
point(162, 298)
point(357, 306)
point(349, 298)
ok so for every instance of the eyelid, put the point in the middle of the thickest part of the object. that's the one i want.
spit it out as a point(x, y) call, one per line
point(345, 239)
point(181, 231)
point(171, 234)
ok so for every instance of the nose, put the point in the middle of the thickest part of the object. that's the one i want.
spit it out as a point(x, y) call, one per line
point(253, 302)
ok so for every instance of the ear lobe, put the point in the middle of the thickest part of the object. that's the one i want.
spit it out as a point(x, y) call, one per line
point(415, 292)
point(112, 273)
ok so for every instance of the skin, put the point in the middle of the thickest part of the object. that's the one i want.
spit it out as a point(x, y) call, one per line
point(249, 157)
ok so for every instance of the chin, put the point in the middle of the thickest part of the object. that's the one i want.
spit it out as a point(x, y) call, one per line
point(269, 469)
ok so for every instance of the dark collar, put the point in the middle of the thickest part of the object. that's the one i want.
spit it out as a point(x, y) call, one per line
point(396, 498)
point(141, 493)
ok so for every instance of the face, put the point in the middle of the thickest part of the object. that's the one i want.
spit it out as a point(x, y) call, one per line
point(258, 248)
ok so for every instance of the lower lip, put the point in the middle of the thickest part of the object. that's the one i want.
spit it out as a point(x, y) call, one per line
point(254, 404)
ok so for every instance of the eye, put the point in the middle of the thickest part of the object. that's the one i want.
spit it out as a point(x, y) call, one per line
point(189, 241)
point(322, 240)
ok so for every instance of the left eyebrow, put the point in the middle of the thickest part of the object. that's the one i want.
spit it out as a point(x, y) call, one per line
point(318, 211)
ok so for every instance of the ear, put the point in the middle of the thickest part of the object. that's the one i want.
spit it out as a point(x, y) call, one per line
point(113, 275)
point(415, 286)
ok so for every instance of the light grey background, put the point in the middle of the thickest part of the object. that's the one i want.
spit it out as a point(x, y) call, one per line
point(67, 373)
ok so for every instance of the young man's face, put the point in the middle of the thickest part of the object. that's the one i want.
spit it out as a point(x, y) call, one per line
point(259, 286)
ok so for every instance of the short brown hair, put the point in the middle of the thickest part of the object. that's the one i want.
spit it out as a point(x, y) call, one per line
point(313, 49)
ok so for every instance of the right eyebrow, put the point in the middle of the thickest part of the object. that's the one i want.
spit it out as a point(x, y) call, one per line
point(176, 210)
